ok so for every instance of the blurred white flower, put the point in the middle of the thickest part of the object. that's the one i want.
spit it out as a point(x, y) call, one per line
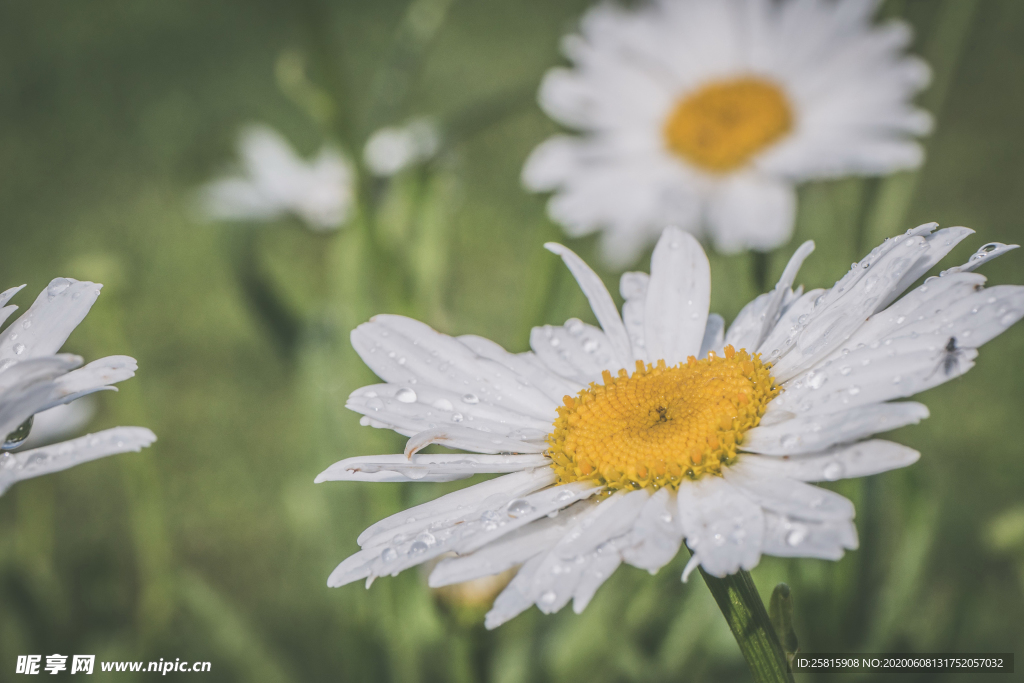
point(617, 444)
point(35, 379)
point(705, 113)
point(275, 181)
point(390, 150)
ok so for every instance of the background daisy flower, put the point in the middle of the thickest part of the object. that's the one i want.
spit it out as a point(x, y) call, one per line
point(706, 114)
point(34, 378)
point(617, 444)
point(275, 182)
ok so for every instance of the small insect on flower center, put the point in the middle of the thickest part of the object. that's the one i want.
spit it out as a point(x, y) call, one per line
point(720, 126)
point(661, 424)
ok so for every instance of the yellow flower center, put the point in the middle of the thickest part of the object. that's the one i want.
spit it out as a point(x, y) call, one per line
point(662, 424)
point(721, 125)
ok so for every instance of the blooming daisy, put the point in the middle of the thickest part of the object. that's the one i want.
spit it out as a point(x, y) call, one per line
point(277, 182)
point(620, 441)
point(705, 113)
point(34, 378)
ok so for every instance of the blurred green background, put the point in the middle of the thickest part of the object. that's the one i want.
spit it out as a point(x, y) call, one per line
point(215, 545)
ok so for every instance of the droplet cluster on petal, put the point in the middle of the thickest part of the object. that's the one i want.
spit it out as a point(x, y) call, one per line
point(661, 424)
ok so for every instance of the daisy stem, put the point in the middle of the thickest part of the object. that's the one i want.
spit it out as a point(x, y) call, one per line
point(743, 610)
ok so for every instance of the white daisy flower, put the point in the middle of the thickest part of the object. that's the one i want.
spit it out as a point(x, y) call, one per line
point(705, 113)
point(393, 149)
point(617, 443)
point(275, 182)
point(35, 379)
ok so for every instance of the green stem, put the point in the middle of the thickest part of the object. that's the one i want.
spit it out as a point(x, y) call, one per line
point(741, 605)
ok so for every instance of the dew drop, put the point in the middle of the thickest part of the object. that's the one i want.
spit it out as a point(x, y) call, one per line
point(388, 555)
point(457, 417)
point(443, 404)
point(574, 326)
point(375, 404)
point(590, 345)
point(19, 349)
point(547, 598)
point(833, 471)
point(565, 496)
point(1008, 319)
point(417, 548)
point(796, 536)
point(853, 391)
point(18, 436)
point(406, 395)
point(56, 287)
point(471, 399)
point(519, 507)
point(7, 461)
point(790, 440)
point(817, 380)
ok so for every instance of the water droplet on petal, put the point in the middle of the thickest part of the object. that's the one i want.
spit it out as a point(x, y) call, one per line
point(56, 287)
point(547, 598)
point(590, 345)
point(833, 471)
point(519, 507)
point(457, 417)
point(19, 349)
point(7, 461)
point(443, 404)
point(796, 535)
point(18, 436)
point(389, 555)
point(471, 399)
point(406, 395)
point(816, 380)
point(789, 440)
point(417, 548)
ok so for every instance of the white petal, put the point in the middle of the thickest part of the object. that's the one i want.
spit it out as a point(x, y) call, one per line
point(789, 497)
point(46, 325)
point(714, 335)
point(786, 330)
point(784, 288)
point(940, 243)
point(613, 517)
point(861, 459)
point(785, 537)
point(845, 308)
point(818, 432)
point(633, 288)
point(722, 526)
point(38, 461)
point(407, 352)
point(510, 550)
point(752, 211)
point(527, 367)
point(599, 569)
point(655, 537)
point(575, 350)
point(678, 297)
point(95, 376)
point(427, 467)
point(982, 256)
point(513, 600)
point(600, 301)
point(454, 505)
point(29, 386)
point(411, 411)
point(746, 328)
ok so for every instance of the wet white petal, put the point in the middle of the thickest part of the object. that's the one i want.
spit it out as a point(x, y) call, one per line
point(818, 432)
point(826, 540)
point(789, 497)
point(427, 467)
point(678, 296)
point(861, 459)
point(50, 320)
point(38, 461)
point(655, 537)
point(722, 526)
point(600, 301)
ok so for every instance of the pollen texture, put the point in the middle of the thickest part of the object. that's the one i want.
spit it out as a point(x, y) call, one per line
point(720, 126)
point(661, 424)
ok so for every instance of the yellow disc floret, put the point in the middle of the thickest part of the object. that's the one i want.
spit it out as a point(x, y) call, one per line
point(661, 424)
point(720, 126)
